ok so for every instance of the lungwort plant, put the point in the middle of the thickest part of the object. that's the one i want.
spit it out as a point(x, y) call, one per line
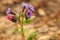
point(24, 17)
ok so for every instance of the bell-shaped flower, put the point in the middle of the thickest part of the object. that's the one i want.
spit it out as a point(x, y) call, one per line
point(31, 8)
point(8, 11)
point(28, 14)
point(25, 5)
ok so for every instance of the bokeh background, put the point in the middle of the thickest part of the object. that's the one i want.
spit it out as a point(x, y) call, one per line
point(47, 19)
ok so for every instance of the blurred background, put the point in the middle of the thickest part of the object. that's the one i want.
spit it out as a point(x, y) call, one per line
point(47, 19)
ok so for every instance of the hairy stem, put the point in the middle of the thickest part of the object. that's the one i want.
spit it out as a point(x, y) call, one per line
point(21, 24)
point(22, 30)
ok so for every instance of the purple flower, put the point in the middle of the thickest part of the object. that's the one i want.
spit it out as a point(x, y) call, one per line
point(31, 8)
point(25, 5)
point(8, 11)
point(28, 14)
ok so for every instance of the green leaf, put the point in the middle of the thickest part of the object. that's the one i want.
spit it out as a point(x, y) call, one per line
point(25, 30)
point(32, 35)
point(32, 17)
point(19, 31)
point(30, 38)
point(29, 20)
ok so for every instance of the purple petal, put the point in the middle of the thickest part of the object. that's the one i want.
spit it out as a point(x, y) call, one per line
point(25, 5)
point(8, 11)
point(31, 8)
point(29, 13)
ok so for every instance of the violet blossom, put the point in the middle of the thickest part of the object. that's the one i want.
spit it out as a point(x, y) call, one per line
point(29, 11)
point(8, 11)
point(25, 5)
point(10, 17)
point(31, 8)
point(28, 14)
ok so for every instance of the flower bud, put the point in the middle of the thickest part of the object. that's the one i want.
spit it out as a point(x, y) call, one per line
point(11, 18)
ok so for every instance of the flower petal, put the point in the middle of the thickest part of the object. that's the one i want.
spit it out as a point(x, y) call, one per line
point(31, 8)
point(8, 11)
point(25, 5)
point(9, 17)
point(28, 14)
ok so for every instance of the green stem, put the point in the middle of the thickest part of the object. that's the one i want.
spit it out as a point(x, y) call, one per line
point(21, 24)
point(22, 30)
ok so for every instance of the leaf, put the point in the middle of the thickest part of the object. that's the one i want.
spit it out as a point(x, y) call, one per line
point(30, 38)
point(19, 31)
point(32, 35)
point(32, 17)
point(29, 20)
point(25, 30)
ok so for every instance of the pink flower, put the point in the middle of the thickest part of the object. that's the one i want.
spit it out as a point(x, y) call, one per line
point(9, 17)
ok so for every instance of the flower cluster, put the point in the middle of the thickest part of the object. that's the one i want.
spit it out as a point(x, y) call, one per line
point(25, 5)
point(28, 13)
point(10, 17)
